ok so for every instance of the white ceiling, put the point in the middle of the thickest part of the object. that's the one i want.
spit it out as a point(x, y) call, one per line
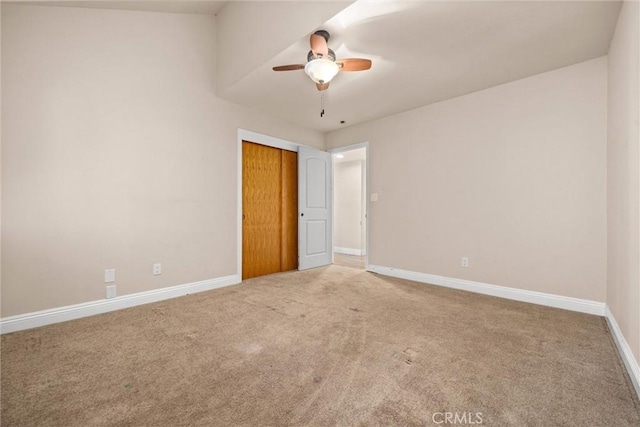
point(424, 52)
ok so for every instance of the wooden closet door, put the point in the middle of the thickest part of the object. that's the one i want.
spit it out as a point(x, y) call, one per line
point(289, 211)
point(261, 209)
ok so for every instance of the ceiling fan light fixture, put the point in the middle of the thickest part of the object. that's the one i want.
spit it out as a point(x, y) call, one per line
point(321, 70)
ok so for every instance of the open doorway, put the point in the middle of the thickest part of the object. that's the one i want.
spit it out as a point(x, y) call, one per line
point(350, 206)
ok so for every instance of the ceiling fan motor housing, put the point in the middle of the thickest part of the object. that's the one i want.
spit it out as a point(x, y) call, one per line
point(331, 56)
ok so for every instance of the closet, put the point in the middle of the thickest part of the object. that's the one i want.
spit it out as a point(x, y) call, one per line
point(269, 210)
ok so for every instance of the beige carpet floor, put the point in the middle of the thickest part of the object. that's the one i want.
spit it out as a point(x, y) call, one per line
point(330, 346)
point(353, 261)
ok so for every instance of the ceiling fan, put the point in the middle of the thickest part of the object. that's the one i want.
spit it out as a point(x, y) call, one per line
point(321, 64)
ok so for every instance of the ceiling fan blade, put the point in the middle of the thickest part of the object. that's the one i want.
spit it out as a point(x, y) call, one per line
point(289, 67)
point(319, 45)
point(322, 86)
point(354, 64)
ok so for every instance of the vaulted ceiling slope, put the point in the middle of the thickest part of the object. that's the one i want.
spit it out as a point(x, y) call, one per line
point(422, 51)
point(250, 33)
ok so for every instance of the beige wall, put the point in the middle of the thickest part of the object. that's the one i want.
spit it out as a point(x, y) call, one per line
point(623, 284)
point(348, 207)
point(513, 177)
point(116, 153)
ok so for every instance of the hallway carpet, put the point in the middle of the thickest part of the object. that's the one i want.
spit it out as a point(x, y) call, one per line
point(329, 346)
point(353, 261)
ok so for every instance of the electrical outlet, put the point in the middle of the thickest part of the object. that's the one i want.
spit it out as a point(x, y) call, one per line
point(464, 262)
point(157, 269)
point(111, 291)
point(109, 275)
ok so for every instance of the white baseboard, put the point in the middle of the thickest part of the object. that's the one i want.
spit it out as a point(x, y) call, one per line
point(550, 300)
point(348, 251)
point(77, 311)
point(625, 351)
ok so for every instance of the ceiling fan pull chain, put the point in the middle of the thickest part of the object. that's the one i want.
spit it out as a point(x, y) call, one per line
point(322, 105)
